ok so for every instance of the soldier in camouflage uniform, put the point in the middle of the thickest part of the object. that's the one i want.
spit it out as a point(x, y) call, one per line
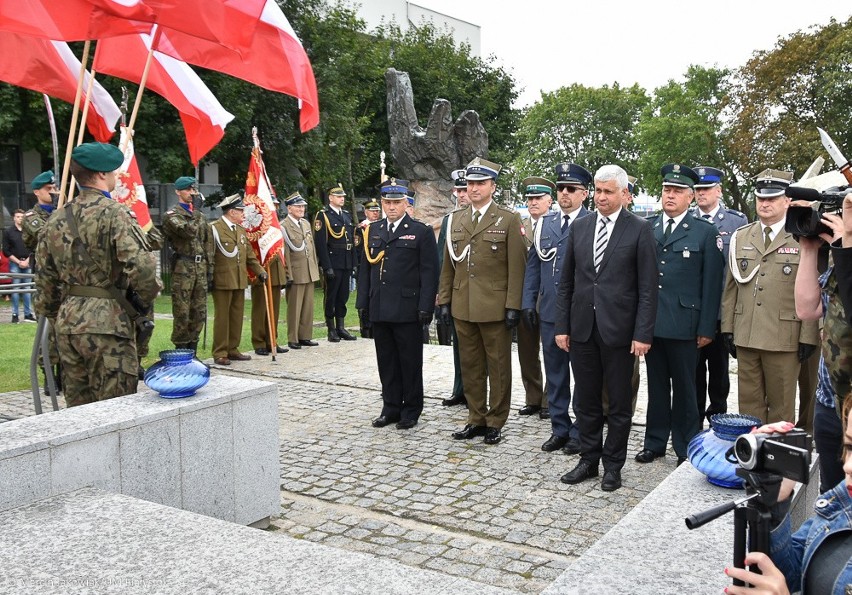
point(79, 274)
point(192, 264)
point(154, 241)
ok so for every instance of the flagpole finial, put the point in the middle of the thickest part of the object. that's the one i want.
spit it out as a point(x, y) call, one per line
point(255, 140)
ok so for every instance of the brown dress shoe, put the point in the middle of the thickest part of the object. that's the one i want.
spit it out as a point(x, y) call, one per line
point(240, 357)
point(222, 361)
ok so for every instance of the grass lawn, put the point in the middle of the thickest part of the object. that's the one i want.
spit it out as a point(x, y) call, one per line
point(17, 339)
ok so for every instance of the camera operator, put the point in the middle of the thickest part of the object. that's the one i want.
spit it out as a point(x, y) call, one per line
point(818, 557)
point(841, 250)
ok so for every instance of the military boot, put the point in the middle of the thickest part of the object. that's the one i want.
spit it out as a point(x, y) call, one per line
point(333, 337)
point(342, 332)
point(194, 346)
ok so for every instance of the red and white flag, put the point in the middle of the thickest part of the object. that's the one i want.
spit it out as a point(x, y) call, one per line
point(50, 67)
point(203, 117)
point(129, 189)
point(67, 20)
point(260, 217)
point(275, 60)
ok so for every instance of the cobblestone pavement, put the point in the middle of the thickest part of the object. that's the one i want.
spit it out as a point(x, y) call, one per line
point(495, 514)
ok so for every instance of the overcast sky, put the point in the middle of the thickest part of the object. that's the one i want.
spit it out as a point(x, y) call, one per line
point(548, 44)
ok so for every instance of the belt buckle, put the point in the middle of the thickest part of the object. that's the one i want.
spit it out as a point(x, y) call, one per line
point(198, 258)
point(348, 247)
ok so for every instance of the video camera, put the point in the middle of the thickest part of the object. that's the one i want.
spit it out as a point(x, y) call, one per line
point(787, 455)
point(807, 221)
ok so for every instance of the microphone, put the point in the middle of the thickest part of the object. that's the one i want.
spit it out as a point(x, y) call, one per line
point(801, 193)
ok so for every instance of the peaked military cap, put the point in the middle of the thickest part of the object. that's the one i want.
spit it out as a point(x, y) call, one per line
point(101, 157)
point(536, 187)
point(185, 183)
point(43, 179)
point(235, 201)
point(631, 183)
point(294, 200)
point(459, 177)
point(675, 174)
point(393, 189)
point(708, 176)
point(337, 190)
point(372, 205)
point(571, 173)
point(410, 194)
point(772, 182)
point(481, 169)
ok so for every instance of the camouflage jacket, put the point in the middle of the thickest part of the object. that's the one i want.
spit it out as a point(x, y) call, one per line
point(189, 234)
point(837, 343)
point(32, 226)
point(118, 248)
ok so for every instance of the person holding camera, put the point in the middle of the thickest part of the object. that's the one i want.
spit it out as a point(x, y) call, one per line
point(818, 557)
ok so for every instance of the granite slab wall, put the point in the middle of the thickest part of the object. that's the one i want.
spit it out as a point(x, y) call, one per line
point(215, 453)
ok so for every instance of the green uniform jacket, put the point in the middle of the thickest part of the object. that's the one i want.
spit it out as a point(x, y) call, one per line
point(302, 266)
point(229, 272)
point(189, 234)
point(32, 226)
point(490, 278)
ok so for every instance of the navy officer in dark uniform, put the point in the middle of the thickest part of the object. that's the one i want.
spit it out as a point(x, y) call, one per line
point(711, 374)
point(690, 263)
point(336, 241)
point(397, 284)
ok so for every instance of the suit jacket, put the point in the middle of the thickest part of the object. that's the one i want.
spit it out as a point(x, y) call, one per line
point(541, 280)
point(335, 253)
point(230, 272)
point(405, 280)
point(302, 266)
point(483, 285)
point(761, 311)
point(622, 296)
point(690, 262)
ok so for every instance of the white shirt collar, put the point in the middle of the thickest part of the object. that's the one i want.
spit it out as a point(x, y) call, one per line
point(229, 223)
point(677, 219)
point(711, 213)
point(775, 227)
point(611, 218)
point(483, 209)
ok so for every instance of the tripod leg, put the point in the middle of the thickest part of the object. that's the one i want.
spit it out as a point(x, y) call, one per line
point(740, 523)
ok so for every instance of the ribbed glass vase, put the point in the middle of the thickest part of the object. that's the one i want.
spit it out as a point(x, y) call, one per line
point(177, 374)
point(706, 451)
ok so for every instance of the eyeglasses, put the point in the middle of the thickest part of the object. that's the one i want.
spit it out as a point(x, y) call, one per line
point(569, 189)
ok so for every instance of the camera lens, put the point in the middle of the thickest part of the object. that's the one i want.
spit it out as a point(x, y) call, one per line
point(745, 448)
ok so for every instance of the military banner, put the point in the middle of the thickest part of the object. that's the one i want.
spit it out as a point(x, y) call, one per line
point(261, 219)
point(129, 189)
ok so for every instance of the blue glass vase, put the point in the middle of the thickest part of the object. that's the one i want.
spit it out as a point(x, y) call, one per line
point(177, 374)
point(706, 451)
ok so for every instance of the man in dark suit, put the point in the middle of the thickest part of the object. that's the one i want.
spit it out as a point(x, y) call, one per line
point(541, 281)
point(397, 284)
point(690, 262)
point(335, 240)
point(605, 312)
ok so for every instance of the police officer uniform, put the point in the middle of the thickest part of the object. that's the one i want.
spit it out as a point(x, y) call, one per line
point(711, 375)
point(759, 319)
point(336, 242)
point(690, 264)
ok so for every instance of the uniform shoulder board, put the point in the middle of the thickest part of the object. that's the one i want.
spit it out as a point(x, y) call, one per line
point(735, 212)
point(704, 221)
point(506, 209)
point(459, 210)
point(30, 213)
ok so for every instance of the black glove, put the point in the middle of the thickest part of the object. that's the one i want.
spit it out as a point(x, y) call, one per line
point(513, 317)
point(424, 317)
point(263, 277)
point(444, 316)
point(728, 340)
point(329, 274)
point(289, 284)
point(805, 351)
point(529, 317)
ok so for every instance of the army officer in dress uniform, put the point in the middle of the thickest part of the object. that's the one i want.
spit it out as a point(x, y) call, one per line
point(481, 284)
point(397, 283)
point(302, 273)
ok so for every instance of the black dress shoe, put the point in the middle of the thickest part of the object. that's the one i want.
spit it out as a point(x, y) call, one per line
point(572, 447)
point(279, 349)
point(307, 343)
point(382, 421)
point(344, 334)
point(646, 456)
point(333, 336)
point(544, 413)
point(262, 351)
point(554, 442)
point(611, 481)
point(454, 400)
point(406, 424)
point(529, 410)
point(583, 471)
point(294, 346)
point(492, 436)
point(469, 431)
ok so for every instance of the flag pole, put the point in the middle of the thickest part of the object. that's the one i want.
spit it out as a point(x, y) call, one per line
point(74, 114)
point(270, 318)
point(82, 130)
point(53, 137)
point(142, 82)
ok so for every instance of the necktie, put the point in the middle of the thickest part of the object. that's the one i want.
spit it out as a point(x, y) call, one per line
point(668, 231)
point(600, 242)
point(766, 239)
point(475, 219)
point(565, 220)
point(706, 216)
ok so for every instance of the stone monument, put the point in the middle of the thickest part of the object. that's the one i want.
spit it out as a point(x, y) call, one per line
point(426, 156)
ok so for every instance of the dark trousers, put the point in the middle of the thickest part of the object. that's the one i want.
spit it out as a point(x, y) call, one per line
point(828, 439)
point(458, 385)
point(672, 406)
point(337, 293)
point(557, 373)
point(713, 362)
point(399, 352)
point(592, 361)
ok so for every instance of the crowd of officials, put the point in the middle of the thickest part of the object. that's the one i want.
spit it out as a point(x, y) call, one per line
point(588, 287)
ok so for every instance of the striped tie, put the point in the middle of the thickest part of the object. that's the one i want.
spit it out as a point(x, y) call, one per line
point(600, 243)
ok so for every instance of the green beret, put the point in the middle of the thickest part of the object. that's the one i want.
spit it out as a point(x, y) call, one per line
point(98, 156)
point(43, 179)
point(185, 183)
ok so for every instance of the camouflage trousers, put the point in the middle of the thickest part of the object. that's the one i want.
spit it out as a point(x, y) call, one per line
point(189, 301)
point(96, 367)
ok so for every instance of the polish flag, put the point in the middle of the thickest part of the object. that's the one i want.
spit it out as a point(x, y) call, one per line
point(260, 217)
point(50, 67)
point(66, 20)
point(204, 119)
point(129, 189)
point(275, 60)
